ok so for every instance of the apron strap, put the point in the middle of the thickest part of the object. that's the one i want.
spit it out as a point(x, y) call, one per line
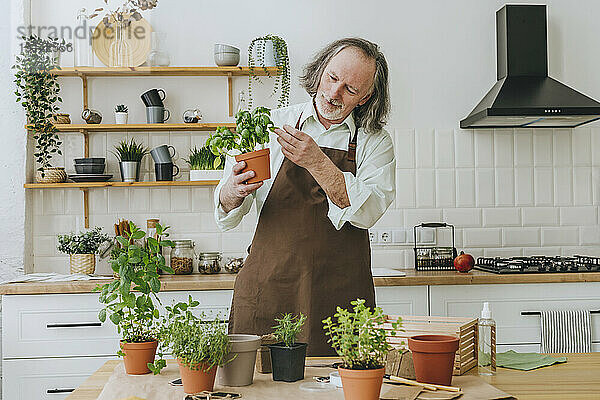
point(351, 143)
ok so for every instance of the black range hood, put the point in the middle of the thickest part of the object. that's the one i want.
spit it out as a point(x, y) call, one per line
point(525, 96)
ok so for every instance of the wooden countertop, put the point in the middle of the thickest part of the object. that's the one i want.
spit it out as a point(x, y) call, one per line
point(226, 281)
point(576, 379)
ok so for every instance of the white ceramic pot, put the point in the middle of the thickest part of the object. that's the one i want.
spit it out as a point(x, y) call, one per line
point(206, 174)
point(269, 57)
point(121, 117)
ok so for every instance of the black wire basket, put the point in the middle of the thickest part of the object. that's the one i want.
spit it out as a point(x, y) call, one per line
point(434, 258)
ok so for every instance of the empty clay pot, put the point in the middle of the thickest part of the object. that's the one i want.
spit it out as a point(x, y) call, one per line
point(197, 380)
point(240, 370)
point(433, 356)
point(137, 356)
point(258, 161)
point(361, 384)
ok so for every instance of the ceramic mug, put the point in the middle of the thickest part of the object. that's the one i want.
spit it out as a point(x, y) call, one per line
point(164, 171)
point(157, 115)
point(162, 154)
point(153, 97)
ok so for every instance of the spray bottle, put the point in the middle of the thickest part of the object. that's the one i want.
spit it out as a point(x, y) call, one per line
point(486, 359)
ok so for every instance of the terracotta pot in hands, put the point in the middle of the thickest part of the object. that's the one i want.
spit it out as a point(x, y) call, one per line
point(258, 161)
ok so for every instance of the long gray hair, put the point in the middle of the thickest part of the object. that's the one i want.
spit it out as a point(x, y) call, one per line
point(372, 115)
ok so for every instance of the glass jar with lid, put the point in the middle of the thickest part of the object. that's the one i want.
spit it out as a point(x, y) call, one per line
point(182, 257)
point(209, 262)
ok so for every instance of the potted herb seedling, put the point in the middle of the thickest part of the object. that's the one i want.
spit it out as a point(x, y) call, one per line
point(359, 338)
point(121, 113)
point(204, 165)
point(270, 51)
point(253, 131)
point(130, 300)
point(82, 249)
point(199, 345)
point(288, 356)
point(130, 155)
point(38, 92)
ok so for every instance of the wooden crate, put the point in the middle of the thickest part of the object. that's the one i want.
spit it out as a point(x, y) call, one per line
point(463, 328)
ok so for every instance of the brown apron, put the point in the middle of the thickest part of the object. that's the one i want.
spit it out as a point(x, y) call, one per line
point(298, 261)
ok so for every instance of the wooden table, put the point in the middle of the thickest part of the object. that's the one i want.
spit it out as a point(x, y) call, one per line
point(578, 379)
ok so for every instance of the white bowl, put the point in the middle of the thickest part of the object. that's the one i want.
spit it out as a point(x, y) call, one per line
point(225, 48)
point(227, 59)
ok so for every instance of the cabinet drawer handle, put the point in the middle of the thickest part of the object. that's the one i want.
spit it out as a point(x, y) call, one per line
point(74, 325)
point(54, 391)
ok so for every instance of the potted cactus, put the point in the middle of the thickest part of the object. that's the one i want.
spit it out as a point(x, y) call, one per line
point(288, 356)
point(252, 131)
point(121, 113)
point(359, 338)
point(204, 165)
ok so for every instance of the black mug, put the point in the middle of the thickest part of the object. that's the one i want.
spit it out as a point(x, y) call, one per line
point(153, 97)
point(164, 172)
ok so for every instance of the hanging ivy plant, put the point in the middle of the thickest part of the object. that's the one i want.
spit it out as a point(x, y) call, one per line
point(38, 92)
point(282, 62)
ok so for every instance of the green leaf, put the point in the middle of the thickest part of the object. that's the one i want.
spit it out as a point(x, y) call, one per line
point(138, 235)
point(115, 318)
point(102, 315)
point(155, 285)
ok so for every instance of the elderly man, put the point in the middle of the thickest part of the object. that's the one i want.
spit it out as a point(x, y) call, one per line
point(334, 172)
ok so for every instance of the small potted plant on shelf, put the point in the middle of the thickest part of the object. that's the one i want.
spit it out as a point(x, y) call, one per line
point(130, 155)
point(199, 345)
point(204, 165)
point(252, 130)
point(130, 300)
point(38, 92)
point(288, 356)
point(270, 51)
point(359, 338)
point(82, 249)
point(121, 113)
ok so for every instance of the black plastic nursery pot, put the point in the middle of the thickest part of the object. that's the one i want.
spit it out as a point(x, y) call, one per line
point(288, 362)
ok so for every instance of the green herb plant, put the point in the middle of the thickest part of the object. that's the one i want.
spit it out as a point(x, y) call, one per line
point(38, 92)
point(252, 130)
point(203, 159)
point(358, 336)
point(130, 151)
point(195, 341)
point(130, 301)
point(288, 327)
point(282, 62)
point(121, 108)
point(82, 243)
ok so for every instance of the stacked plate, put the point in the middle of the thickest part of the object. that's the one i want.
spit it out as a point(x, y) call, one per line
point(226, 55)
point(90, 170)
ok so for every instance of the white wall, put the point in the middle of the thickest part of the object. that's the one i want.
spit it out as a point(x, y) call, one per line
point(509, 192)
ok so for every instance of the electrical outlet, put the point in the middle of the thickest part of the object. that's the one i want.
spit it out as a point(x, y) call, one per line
point(373, 236)
point(398, 236)
point(385, 236)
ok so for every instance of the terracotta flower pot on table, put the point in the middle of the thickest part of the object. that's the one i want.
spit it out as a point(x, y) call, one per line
point(196, 380)
point(137, 356)
point(361, 384)
point(433, 357)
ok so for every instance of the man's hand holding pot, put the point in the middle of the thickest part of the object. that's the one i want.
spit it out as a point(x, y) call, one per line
point(235, 190)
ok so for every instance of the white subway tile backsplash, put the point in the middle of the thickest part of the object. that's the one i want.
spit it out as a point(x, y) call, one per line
point(521, 237)
point(463, 217)
point(589, 235)
point(596, 185)
point(501, 217)
point(543, 186)
point(539, 216)
point(37, 202)
point(160, 199)
point(98, 145)
point(404, 147)
point(45, 246)
point(563, 236)
point(482, 237)
point(542, 147)
point(504, 252)
point(582, 147)
point(181, 200)
point(582, 186)
point(139, 200)
point(416, 217)
point(184, 223)
point(464, 153)
point(484, 187)
point(53, 202)
point(98, 200)
point(503, 148)
point(579, 215)
point(505, 186)
point(444, 146)
point(118, 200)
point(405, 188)
point(388, 258)
point(563, 186)
point(424, 139)
point(524, 186)
point(563, 156)
point(202, 199)
point(53, 224)
point(484, 148)
point(595, 146)
point(234, 242)
point(425, 188)
point(541, 251)
point(445, 186)
point(465, 187)
point(74, 201)
point(523, 147)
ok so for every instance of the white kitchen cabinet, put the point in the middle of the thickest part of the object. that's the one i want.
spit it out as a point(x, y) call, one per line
point(46, 379)
point(402, 300)
point(507, 302)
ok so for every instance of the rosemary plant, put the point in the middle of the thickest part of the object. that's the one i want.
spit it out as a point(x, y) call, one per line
point(288, 327)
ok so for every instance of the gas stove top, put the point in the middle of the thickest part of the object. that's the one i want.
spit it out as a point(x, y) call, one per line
point(538, 264)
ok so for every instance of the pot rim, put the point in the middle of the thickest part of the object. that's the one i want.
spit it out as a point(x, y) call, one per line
point(281, 345)
point(433, 343)
point(252, 154)
point(148, 344)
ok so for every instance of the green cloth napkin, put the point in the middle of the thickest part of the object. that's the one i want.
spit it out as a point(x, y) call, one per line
point(526, 361)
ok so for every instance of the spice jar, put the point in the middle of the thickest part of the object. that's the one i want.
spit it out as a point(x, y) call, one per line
point(209, 263)
point(234, 264)
point(182, 257)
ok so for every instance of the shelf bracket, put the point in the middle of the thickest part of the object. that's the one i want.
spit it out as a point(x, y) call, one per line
point(86, 207)
point(86, 142)
point(85, 89)
point(230, 92)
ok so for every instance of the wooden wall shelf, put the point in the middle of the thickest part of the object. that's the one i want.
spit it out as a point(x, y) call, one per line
point(81, 128)
point(91, 185)
point(162, 71)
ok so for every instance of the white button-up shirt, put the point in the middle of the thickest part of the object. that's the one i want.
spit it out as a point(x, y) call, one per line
point(370, 192)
